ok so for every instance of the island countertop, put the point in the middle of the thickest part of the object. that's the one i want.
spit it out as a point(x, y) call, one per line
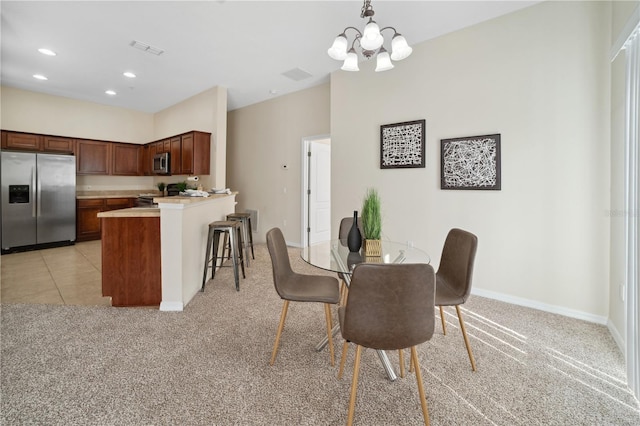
point(155, 211)
point(182, 199)
point(129, 193)
point(132, 212)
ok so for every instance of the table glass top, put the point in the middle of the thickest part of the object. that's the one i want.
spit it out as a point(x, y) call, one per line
point(334, 255)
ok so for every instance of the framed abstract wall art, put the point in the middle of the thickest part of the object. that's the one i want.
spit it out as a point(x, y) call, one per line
point(402, 145)
point(470, 163)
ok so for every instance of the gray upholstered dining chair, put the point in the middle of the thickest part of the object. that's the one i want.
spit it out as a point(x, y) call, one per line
point(292, 286)
point(453, 279)
point(390, 307)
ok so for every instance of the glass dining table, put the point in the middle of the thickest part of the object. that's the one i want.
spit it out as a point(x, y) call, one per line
point(334, 255)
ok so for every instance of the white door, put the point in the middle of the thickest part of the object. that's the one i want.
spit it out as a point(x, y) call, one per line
point(319, 193)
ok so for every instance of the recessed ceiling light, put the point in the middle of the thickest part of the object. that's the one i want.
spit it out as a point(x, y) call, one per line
point(40, 77)
point(129, 74)
point(47, 52)
point(110, 92)
point(273, 92)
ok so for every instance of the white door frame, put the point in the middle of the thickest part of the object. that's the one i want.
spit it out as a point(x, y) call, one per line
point(304, 200)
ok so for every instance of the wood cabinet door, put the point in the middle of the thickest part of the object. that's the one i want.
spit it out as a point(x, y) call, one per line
point(176, 156)
point(58, 144)
point(87, 222)
point(93, 157)
point(145, 160)
point(201, 153)
point(187, 154)
point(26, 141)
point(126, 159)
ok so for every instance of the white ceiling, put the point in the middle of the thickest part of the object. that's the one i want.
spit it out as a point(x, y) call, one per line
point(244, 46)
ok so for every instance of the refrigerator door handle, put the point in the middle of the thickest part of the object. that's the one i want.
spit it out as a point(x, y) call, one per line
point(38, 192)
point(33, 189)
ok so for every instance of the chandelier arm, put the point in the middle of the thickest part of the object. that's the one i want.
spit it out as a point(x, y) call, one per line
point(390, 28)
point(352, 28)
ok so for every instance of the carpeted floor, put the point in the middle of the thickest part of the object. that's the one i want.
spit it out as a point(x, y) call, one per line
point(209, 365)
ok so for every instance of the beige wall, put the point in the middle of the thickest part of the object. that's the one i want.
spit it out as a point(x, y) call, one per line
point(263, 137)
point(33, 112)
point(27, 111)
point(540, 78)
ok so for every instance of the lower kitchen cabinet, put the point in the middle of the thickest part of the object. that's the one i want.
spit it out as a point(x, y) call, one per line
point(131, 269)
point(88, 225)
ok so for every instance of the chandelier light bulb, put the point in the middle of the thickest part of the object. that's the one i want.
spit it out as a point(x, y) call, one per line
point(371, 37)
point(399, 48)
point(338, 50)
point(351, 62)
point(383, 62)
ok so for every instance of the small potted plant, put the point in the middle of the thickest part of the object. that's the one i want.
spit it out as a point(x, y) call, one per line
point(372, 223)
point(181, 186)
point(161, 187)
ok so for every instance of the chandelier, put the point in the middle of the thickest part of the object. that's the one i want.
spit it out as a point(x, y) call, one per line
point(371, 43)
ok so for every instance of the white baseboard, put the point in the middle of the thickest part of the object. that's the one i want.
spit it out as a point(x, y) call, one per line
point(560, 310)
point(617, 337)
point(171, 306)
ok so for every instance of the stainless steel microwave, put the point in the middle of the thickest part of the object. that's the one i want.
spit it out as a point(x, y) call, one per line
point(162, 164)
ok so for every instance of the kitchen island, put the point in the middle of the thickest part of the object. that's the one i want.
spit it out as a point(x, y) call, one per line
point(129, 251)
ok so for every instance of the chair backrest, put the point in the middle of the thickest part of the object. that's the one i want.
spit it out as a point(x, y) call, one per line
point(279, 258)
point(390, 306)
point(456, 263)
point(345, 226)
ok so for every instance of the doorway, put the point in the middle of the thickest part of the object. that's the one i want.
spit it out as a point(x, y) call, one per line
point(316, 189)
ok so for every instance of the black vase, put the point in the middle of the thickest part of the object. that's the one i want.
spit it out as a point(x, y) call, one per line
point(354, 239)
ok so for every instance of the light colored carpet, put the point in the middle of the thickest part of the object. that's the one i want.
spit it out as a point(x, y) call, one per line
point(209, 365)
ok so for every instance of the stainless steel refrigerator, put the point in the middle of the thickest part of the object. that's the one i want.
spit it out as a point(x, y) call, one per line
point(38, 200)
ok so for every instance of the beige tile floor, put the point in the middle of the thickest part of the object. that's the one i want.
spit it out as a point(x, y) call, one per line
point(60, 276)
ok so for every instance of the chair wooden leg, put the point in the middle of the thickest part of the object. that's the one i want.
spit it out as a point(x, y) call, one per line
point(344, 292)
point(327, 314)
point(466, 339)
point(423, 399)
point(401, 359)
point(411, 366)
point(283, 316)
point(343, 359)
point(354, 386)
point(444, 326)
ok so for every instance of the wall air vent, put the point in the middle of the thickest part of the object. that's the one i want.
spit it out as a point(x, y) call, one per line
point(146, 48)
point(297, 74)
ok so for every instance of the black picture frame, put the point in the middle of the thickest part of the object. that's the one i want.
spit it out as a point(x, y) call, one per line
point(471, 162)
point(402, 145)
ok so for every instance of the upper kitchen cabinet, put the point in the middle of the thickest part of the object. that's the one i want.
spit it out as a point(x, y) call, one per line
point(176, 155)
point(146, 158)
point(93, 157)
point(34, 142)
point(58, 144)
point(190, 152)
point(126, 159)
point(21, 141)
point(196, 151)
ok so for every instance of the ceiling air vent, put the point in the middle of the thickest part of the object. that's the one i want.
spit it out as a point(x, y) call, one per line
point(297, 74)
point(146, 48)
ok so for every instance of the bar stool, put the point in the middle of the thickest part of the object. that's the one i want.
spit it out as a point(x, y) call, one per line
point(247, 236)
point(232, 230)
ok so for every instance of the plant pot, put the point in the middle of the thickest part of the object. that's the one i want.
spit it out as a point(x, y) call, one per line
point(373, 248)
